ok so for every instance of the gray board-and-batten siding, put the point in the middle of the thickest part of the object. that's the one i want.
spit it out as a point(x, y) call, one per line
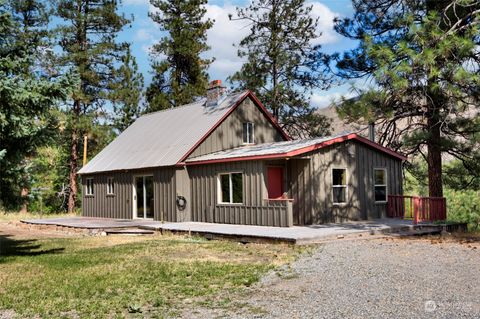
point(120, 204)
point(229, 134)
point(308, 182)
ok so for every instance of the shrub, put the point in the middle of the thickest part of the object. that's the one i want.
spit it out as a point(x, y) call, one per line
point(464, 206)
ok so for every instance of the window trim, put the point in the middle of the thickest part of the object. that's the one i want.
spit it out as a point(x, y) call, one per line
point(230, 186)
point(252, 140)
point(89, 190)
point(110, 190)
point(384, 169)
point(340, 186)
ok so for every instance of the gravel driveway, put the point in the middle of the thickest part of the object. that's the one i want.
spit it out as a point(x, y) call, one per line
point(382, 278)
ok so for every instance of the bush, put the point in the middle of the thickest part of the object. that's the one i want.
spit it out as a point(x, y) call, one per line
point(464, 206)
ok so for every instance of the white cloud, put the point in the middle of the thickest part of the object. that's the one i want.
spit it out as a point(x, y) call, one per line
point(225, 33)
point(221, 38)
point(325, 23)
point(320, 100)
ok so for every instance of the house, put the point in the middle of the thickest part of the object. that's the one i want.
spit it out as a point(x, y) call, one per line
point(224, 159)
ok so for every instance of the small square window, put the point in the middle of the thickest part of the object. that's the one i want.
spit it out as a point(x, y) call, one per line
point(110, 186)
point(231, 188)
point(380, 184)
point(248, 133)
point(89, 186)
point(339, 185)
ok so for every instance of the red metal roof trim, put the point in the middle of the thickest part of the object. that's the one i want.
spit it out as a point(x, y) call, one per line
point(239, 101)
point(380, 147)
point(304, 150)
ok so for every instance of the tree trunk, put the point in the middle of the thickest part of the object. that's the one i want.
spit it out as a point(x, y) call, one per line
point(72, 196)
point(434, 159)
point(434, 156)
point(24, 194)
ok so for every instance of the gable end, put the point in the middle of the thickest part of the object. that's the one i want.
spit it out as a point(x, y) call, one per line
point(227, 132)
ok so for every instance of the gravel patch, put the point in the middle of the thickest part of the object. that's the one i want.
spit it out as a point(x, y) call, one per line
point(7, 314)
point(382, 278)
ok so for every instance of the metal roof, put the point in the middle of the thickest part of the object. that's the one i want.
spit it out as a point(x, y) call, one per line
point(161, 138)
point(284, 149)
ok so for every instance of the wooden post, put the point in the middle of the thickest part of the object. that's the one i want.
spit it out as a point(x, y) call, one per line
point(85, 140)
point(416, 204)
point(289, 214)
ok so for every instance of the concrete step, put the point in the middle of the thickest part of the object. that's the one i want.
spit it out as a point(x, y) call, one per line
point(128, 231)
point(419, 232)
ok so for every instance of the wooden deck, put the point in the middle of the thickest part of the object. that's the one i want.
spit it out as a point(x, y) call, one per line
point(92, 222)
point(246, 233)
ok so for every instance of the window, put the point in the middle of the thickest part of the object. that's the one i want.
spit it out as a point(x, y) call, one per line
point(339, 183)
point(230, 188)
point(89, 186)
point(380, 182)
point(248, 133)
point(110, 186)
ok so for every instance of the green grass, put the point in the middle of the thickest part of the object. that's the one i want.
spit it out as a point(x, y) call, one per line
point(98, 277)
point(7, 216)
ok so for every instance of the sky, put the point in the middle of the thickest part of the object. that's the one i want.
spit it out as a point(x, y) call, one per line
point(143, 33)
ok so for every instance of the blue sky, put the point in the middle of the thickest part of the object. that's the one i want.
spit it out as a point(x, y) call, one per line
point(143, 32)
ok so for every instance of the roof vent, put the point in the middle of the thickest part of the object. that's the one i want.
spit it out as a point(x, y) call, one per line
point(216, 93)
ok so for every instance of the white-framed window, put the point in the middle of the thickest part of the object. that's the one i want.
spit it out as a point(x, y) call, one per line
point(110, 186)
point(339, 185)
point(89, 187)
point(248, 133)
point(380, 184)
point(230, 188)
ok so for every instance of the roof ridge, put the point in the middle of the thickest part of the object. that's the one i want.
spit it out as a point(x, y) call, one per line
point(173, 108)
point(202, 99)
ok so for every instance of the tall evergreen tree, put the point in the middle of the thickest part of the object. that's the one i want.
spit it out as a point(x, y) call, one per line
point(179, 71)
point(126, 93)
point(27, 95)
point(282, 67)
point(32, 19)
point(87, 36)
point(423, 55)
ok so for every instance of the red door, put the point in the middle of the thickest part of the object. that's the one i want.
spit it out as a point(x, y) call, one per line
point(275, 182)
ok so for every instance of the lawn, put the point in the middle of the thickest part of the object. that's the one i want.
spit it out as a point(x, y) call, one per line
point(115, 276)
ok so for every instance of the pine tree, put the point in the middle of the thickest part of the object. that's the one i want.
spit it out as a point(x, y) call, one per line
point(423, 57)
point(87, 36)
point(126, 93)
point(32, 19)
point(179, 72)
point(27, 95)
point(282, 64)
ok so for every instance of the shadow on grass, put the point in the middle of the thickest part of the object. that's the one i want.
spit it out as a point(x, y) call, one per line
point(10, 247)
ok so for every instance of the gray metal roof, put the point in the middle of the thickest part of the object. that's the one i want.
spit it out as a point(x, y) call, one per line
point(287, 149)
point(161, 138)
point(265, 149)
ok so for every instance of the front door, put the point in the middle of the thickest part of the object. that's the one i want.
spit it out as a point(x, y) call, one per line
point(275, 182)
point(143, 197)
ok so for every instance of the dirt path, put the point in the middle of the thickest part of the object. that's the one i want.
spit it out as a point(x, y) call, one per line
point(383, 278)
point(18, 230)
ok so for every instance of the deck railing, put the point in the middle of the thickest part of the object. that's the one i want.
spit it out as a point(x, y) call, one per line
point(417, 208)
point(272, 213)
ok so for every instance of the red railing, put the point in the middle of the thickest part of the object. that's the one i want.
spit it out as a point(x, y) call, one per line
point(417, 208)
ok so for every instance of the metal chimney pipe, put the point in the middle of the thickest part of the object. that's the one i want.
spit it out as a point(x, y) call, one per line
point(371, 131)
